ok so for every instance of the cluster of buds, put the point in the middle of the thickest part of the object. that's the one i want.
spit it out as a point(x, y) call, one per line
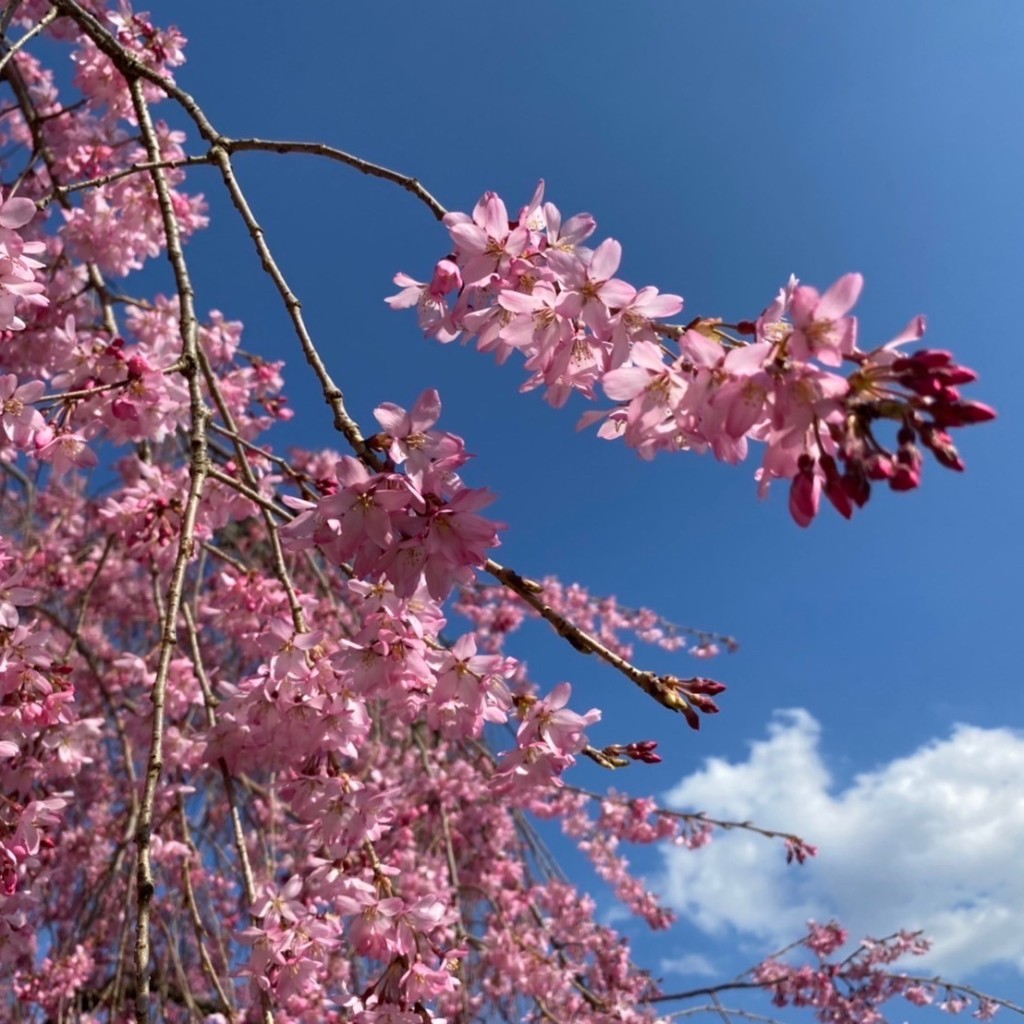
point(687, 696)
point(921, 392)
point(619, 755)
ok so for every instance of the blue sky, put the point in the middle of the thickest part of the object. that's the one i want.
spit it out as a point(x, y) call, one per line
point(725, 145)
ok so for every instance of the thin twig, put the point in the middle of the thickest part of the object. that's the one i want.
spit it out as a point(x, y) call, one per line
point(49, 17)
point(247, 492)
point(664, 689)
point(406, 181)
point(197, 471)
point(690, 817)
point(707, 990)
point(333, 395)
point(59, 192)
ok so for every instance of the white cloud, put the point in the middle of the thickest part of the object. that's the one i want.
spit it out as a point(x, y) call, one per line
point(691, 965)
point(933, 840)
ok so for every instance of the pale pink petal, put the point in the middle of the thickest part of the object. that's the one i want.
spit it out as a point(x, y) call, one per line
point(616, 294)
point(469, 238)
point(553, 218)
point(578, 228)
point(351, 472)
point(653, 305)
point(495, 215)
point(517, 302)
point(605, 261)
point(625, 383)
point(391, 417)
point(648, 355)
point(747, 360)
point(427, 410)
point(16, 213)
point(840, 298)
point(805, 305)
point(914, 331)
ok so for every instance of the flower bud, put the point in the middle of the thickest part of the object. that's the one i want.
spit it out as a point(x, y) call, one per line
point(856, 483)
point(804, 493)
point(960, 414)
point(834, 489)
point(447, 278)
point(941, 446)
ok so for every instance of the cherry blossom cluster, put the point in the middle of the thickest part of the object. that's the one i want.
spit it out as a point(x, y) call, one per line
point(36, 718)
point(640, 821)
point(531, 286)
point(18, 284)
point(854, 987)
point(422, 523)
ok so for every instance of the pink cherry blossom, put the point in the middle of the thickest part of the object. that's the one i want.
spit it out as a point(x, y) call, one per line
point(18, 419)
point(821, 328)
point(487, 241)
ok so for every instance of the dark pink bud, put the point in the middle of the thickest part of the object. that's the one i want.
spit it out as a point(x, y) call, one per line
point(691, 716)
point(447, 278)
point(124, 411)
point(929, 358)
point(856, 484)
point(704, 703)
point(700, 684)
point(798, 850)
point(932, 387)
point(904, 479)
point(136, 367)
point(955, 375)
point(43, 437)
point(961, 414)
point(878, 467)
point(941, 446)
point(834, 489)
point(804, 495)
point(643, 751)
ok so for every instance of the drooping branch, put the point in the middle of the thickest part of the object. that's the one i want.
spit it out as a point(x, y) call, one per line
point(198, 469)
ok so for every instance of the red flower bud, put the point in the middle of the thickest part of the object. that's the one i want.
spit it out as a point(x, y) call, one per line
point(856, 484)
point(804, 495)
point(905, 477)
point(941, 446)
point(879, 467)
point(834, 489)
point(961, 414)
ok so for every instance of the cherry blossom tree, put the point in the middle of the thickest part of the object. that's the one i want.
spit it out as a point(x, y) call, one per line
point(252, 766)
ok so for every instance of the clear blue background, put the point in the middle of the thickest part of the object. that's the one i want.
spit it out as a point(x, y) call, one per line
point(725, 145)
